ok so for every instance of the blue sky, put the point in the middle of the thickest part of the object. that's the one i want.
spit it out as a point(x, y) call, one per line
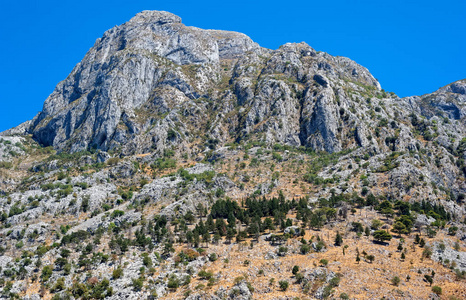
point(411, 47)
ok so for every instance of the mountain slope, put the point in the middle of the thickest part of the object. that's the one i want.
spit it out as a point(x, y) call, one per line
point(181, 163)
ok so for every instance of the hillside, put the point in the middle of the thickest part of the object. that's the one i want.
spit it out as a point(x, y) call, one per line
point(181, 163)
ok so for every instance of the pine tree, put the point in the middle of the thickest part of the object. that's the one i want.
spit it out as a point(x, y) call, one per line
point(210, 223)
point(422, 243)
point(396, 280)
point(400, 247)
point(217, 238)
point(206, 238)
point(221, 227)
point(429, 279)
point(230, 234)
point(367, 231)
point(189, 237)
point(338, 239)
point(197, 239)
point(399, 228)
point(382, 235)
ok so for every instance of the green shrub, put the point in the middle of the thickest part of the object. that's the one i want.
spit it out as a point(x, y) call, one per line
point(146, 260)
point(173, 282)
point(117, 213)
point(324, 262)
point(382, 235)
point(59, 285)
point(299, 277)
point(282, 250)
point(319, 246)
point(46, 273)
point(396, 280)
point(117, 273)
point(335, 281)
point(85, 203)
point(112, 161)
point(213, 257)
point(206, 275)
point(283, 285)
point(5, 165)
point(67, 269)
point(277, 156)
point(437, 290)
point(138, 283)
point(304, 248)
point(164, 163)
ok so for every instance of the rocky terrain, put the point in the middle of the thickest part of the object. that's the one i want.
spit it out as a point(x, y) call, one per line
point(181, 163)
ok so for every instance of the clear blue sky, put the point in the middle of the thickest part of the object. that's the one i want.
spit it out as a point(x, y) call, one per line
point(411, 47)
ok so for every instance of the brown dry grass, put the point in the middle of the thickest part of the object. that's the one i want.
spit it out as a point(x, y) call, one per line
point(362, 280)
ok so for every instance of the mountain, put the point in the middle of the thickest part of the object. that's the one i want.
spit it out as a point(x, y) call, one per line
point(178, 162)
point(154, 75)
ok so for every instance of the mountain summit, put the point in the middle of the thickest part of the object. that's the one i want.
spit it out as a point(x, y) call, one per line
point(153, 75)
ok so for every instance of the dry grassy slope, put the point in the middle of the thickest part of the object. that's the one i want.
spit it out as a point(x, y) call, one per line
point(363, 280)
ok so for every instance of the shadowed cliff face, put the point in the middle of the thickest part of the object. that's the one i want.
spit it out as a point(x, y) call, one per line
point(154, 83)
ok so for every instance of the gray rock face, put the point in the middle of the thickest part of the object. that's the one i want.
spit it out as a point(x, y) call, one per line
point(95, 105)
point(153, 84)
point(321, 120)
point(439, 254)
point(240, 292)
point(5, 260)
point(32, 297)
point(423, 220)
point(318, 275)
point(21, 129)
point(10, 146)
point(293, 230)
point(449, 101)
point(145, 84)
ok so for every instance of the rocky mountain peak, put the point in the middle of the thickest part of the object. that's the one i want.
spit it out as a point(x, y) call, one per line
point(155, 17)
point(152, 83)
